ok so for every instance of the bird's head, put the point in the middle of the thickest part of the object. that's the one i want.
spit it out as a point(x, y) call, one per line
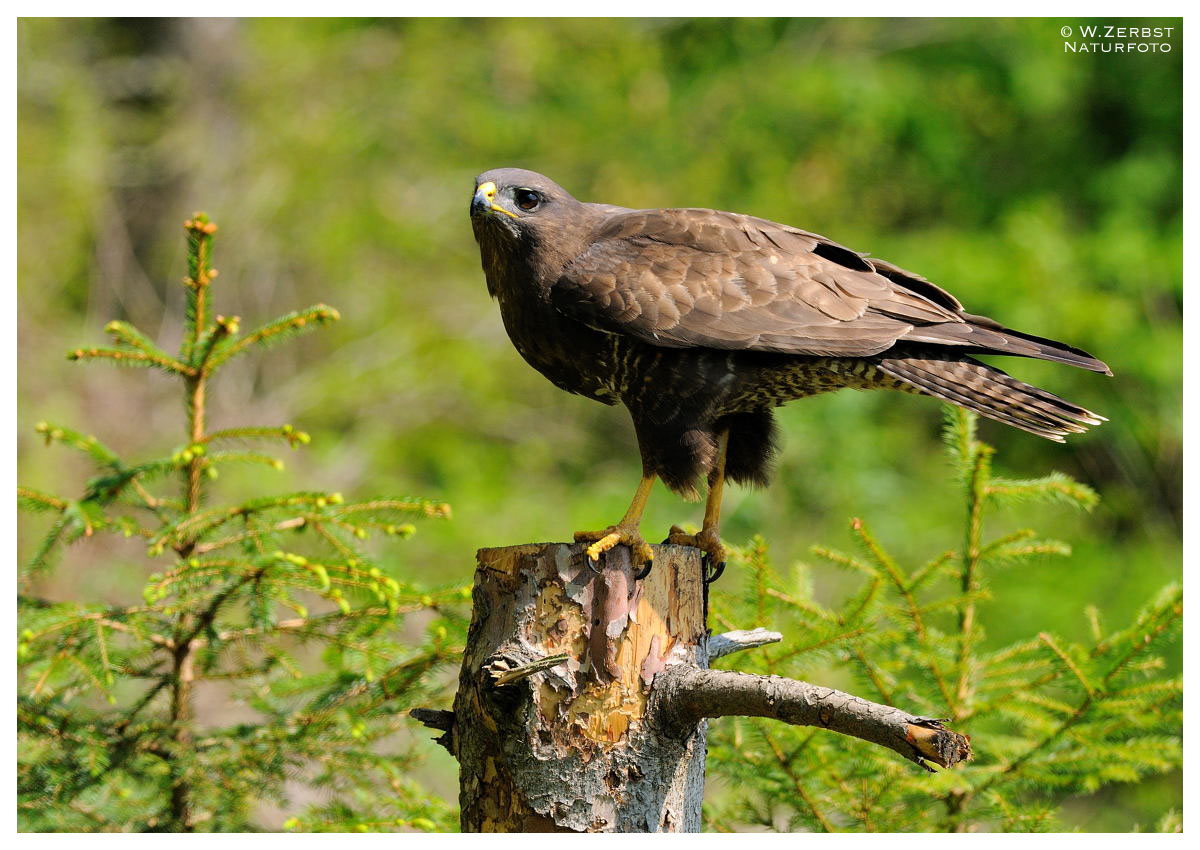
point(514, 211)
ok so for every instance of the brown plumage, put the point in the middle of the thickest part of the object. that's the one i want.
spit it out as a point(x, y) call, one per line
point(701, 322)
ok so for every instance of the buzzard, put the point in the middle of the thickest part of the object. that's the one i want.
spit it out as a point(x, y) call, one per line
point(700, 322)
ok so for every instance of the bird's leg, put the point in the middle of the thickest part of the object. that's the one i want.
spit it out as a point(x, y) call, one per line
point(708, 540)
point(626, 531)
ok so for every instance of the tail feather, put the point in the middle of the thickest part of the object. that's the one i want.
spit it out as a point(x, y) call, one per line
point(992, 393)
point(987, 336)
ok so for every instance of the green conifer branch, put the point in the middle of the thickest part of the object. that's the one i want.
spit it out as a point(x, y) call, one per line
point(959, 436)
point(758, 562)
point(875, 674)
point(100, 453)
point(929, 569)
point(127, 336)
point(808, 606)
point(108, 488)
point(283, 328)
point(200, 274)
point(1020, 553)
point(249, 534)
point(861, 607)
point(286, 432)
point(833, 639)
point(842, 560)
point(881, 558)
point(1153, 623)
point(61, 529)
point(215, 458)
point(35, 500)
point(196, 524)
point(1068, 663)
point(340, 546)
point(124, 357)
point(893, 571)
point(785, 763)
point(423, 507)
point(1053, 487)
point(1045, 701)
point(208, 341)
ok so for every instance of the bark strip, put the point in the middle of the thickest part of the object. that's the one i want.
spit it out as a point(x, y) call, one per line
point(684, 696)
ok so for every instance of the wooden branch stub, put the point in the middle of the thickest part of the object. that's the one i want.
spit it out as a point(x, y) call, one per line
point(503, 673)
point(438, 719)
point(434, 718)
point(736, 641)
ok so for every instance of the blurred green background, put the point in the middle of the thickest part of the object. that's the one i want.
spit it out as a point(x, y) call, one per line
point(1042, 187)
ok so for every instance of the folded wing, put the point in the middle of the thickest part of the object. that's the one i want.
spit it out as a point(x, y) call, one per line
point(681, 278)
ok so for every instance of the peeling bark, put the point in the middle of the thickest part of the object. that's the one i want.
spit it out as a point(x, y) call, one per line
point(583, 695)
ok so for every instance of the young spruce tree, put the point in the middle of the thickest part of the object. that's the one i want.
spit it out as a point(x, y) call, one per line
point(240, 594)
point(1049, 718)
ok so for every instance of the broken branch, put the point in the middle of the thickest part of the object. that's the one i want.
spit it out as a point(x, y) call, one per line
point(686, 695)
point(504, 674)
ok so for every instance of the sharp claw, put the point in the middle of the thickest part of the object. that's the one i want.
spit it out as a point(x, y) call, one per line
point(706, 563)
point(641, 553)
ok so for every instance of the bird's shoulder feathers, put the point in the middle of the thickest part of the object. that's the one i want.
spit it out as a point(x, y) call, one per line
point(694, 277)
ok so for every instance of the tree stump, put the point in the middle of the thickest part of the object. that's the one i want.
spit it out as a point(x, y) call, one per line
point(570, 747)
point(583, 694)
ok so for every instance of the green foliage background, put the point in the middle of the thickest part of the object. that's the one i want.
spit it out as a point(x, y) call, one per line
point(1043, 188)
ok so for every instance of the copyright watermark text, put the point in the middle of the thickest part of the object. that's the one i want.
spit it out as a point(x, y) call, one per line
point(1110, 38)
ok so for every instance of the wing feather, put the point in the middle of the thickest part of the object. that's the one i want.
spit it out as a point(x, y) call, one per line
point(702, 278)
point(705, 278)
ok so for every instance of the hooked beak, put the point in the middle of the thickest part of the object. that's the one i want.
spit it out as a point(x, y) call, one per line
point(485, 201)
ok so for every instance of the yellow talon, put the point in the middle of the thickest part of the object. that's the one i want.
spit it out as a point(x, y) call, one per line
point(678, 537)
point(707, 541)
point(625, 532)
point(603, 545)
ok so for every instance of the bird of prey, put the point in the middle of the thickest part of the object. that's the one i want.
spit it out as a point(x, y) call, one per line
point(700, 322)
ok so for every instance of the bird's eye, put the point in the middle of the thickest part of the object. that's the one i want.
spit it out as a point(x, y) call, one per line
point(527, 199)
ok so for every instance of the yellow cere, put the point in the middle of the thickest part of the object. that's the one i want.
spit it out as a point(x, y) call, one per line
point(488, 190)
